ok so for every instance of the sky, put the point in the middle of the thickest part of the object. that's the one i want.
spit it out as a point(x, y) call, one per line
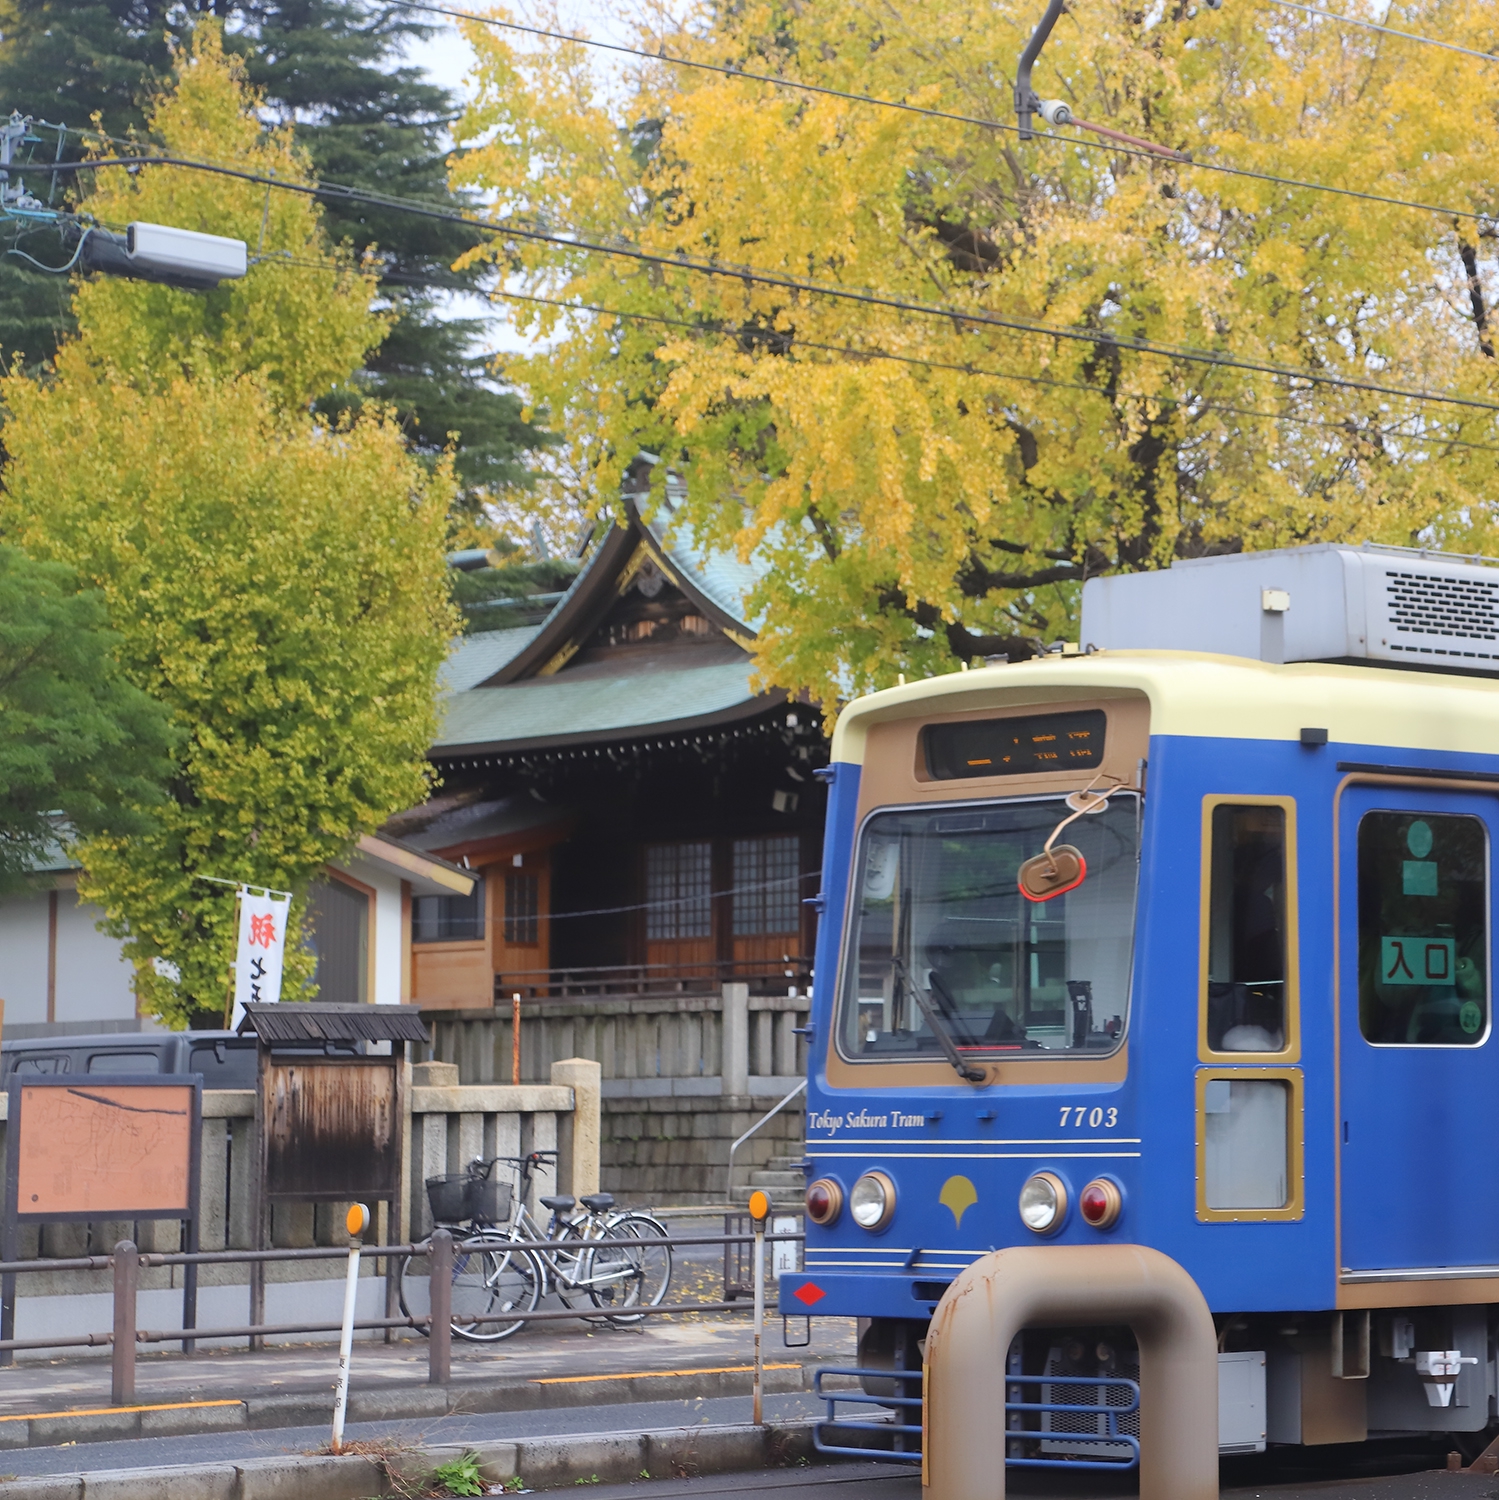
point(447, 58)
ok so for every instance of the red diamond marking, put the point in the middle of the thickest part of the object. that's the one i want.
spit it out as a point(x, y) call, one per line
point(809, 1294)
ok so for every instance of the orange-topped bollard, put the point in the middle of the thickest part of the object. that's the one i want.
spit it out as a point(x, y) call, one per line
point(356, 1221)
point(759, 1211)
point(1062, 1285)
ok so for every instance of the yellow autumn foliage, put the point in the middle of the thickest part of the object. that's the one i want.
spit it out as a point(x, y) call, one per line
point(277, 582)
point(300, 321)
point(928, 488)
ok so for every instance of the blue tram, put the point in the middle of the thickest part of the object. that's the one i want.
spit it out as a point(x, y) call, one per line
point(1190, 948)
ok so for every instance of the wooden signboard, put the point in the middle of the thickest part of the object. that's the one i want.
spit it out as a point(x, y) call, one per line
point(332, 1129)
point(92, 1146)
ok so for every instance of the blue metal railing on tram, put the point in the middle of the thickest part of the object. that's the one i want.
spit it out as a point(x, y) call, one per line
point(905, 1436)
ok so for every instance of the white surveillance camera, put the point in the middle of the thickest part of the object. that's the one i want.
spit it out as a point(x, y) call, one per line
point(1056, 112)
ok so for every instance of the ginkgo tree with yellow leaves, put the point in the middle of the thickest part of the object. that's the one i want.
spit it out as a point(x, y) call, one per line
point(277, 582)
point(934, 417)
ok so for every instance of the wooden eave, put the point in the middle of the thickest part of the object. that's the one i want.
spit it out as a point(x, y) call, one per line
point(485, 851)
point(609, 573)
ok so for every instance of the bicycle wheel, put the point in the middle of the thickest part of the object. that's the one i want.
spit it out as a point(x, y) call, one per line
point(491, 1281)
point(575, 1266)
point(411, 1279)
point(641, 1273)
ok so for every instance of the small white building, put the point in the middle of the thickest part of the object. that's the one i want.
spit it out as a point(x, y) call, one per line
point(59, 974)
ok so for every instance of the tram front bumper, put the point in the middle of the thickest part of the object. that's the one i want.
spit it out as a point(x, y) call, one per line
point(862, 1294)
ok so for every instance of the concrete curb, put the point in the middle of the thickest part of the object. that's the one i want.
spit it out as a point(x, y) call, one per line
point(541, 1463)
point(396, 1403)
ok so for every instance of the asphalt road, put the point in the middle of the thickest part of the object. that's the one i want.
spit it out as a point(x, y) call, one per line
point(640, 1416)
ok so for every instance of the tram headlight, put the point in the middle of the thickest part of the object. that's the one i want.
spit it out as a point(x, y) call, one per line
point(1100, 1203)
point(872, 1201)
point(1043, 1203)
point(824, 1200)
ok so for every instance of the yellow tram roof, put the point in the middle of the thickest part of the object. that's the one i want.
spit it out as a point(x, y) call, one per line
point(1224, 697)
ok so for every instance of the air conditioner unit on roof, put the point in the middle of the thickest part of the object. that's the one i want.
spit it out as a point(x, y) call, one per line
point(1389, 605)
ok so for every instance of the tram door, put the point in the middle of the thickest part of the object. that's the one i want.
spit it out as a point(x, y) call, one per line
point(1419, 1065)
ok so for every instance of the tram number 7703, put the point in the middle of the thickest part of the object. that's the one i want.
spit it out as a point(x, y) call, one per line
point(1093, 1118)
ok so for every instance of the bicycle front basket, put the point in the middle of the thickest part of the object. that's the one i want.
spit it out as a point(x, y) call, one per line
point(488, 1200)
point(448, 1196)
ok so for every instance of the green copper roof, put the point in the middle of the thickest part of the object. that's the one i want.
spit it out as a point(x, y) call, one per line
point(577, 707)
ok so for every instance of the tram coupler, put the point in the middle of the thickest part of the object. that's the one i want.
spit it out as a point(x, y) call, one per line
point(1071, 1285)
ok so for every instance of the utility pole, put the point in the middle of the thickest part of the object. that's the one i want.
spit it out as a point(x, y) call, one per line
point(1027, 104)
point(1056, 112)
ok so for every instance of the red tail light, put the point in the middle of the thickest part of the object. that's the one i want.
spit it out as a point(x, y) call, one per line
point(1100, 1203)
point(824, 1200)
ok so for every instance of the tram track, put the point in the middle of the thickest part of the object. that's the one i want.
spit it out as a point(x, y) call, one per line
point(1397, 1473)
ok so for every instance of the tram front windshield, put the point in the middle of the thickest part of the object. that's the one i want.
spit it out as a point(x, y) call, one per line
point(942, 941)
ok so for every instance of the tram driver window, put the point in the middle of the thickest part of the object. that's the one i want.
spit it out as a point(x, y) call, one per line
point(1246, 980)
point(946, 955)
point(1423, 961)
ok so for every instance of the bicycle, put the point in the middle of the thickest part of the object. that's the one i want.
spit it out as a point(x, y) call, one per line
point(490, 1277)
point(613, 1276)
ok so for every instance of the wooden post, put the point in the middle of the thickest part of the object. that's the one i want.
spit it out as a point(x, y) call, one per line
point(440, 1280)
point(122, 1355)
point(260, 1208)
point(515, 1038)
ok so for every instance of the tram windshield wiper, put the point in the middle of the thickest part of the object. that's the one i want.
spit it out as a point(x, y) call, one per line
point(934, 1019)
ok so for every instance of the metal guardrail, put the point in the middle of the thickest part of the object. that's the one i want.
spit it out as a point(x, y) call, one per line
point(905, 1437)
point(127, 1262)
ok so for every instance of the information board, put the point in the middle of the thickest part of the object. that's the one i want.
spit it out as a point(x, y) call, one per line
point(88, 1149)
point(99, 1147)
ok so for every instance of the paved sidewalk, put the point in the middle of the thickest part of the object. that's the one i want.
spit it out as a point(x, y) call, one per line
point(564, 1352)
point(566, 1366)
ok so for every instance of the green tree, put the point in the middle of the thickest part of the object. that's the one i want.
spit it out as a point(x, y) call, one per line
point(83, 751)
point(277, 580)
point(330, 70)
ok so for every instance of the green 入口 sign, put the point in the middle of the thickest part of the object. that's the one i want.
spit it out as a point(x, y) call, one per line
point(1417, 960)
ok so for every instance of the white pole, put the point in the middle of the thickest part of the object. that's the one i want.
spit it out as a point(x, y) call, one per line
point(358, 1222)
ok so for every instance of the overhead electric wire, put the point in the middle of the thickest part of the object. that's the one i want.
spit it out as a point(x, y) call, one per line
point(1409, 36)
point(785, 282)
point(980, 121)
point(857, 352)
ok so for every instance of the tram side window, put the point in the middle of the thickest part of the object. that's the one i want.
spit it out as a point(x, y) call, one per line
point(1246, 984)
point(1423, 929)
point(1246, 1145)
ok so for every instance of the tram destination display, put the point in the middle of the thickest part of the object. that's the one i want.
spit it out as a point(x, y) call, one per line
point(1015, 747)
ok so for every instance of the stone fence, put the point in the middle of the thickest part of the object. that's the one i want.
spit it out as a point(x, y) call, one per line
point(449, 1125)
point(682, 1077)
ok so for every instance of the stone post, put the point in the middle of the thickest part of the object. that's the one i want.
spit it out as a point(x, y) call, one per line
point(736, 1039)
point(579, 1133)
